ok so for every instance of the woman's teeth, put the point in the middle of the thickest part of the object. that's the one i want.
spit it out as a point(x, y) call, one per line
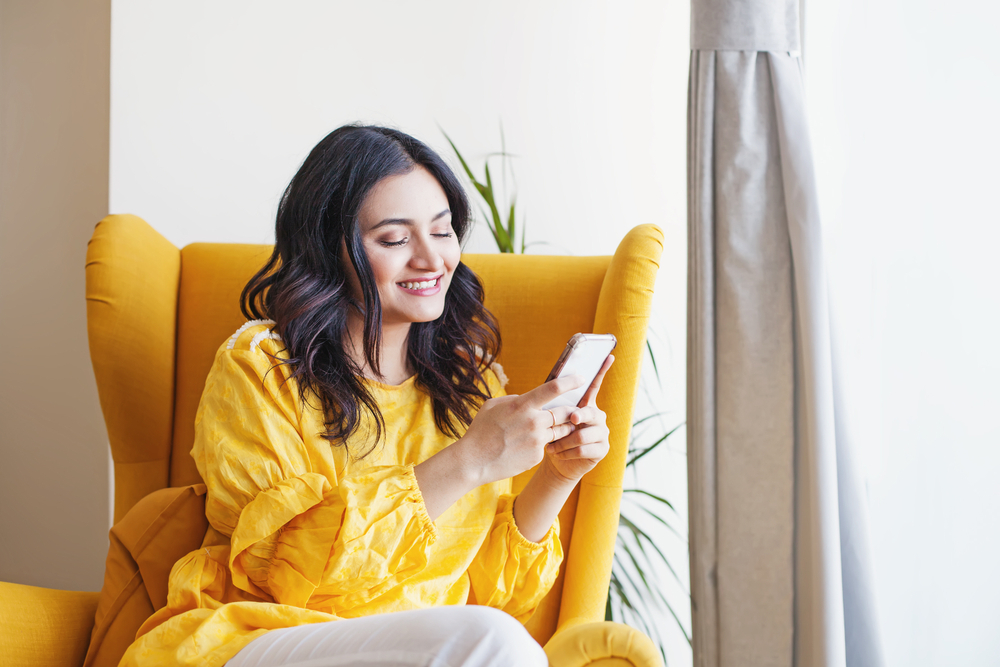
point(421, 285)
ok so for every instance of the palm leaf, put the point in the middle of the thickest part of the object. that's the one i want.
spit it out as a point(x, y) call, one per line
point(652, 358)
point(656, 444)
point(510, 224)
point(655, 497)
point(639, 535)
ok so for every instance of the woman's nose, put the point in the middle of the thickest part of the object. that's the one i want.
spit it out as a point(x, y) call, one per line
point(425, 256)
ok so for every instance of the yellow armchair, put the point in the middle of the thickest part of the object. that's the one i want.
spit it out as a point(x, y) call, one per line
point(156, 315)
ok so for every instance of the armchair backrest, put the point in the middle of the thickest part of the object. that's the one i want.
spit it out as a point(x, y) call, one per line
point(156, 316)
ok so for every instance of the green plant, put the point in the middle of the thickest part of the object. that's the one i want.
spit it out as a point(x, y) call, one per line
point(504, 233)
point(634, 593)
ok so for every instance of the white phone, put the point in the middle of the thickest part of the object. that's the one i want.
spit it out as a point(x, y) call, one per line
point(584, 355)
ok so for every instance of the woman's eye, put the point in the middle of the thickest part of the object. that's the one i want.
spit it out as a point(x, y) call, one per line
point(390, 244)
point(444, 235)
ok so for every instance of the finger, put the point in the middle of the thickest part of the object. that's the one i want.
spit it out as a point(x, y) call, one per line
point(590, 396)
point(562, 415)
point(560, 431)
point(552, 389)
point(595, 451)
point(585, 415)
point(581, 436)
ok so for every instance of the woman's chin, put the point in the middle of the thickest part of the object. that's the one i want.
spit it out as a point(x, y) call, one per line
point(414, 316)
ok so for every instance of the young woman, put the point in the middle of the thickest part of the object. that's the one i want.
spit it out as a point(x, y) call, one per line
point(358, 446)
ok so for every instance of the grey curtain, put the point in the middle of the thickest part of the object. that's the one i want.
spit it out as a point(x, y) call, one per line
point(779, 566)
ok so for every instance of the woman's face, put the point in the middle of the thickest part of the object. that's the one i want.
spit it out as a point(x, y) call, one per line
point(405, 225)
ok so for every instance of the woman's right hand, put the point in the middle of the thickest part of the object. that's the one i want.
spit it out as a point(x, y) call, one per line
point(506, 437)
point(509, 434)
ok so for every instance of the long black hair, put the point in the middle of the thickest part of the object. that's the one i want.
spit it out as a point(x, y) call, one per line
point(304, 288)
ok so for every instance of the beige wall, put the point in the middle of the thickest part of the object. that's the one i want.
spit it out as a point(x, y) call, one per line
point(54, 110)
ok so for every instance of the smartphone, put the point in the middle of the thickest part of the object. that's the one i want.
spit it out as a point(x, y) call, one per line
point(584, 355)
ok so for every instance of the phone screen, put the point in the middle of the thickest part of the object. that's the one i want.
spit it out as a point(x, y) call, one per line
point(584, 355)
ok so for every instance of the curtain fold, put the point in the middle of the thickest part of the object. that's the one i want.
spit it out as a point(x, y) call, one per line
point(773, 524)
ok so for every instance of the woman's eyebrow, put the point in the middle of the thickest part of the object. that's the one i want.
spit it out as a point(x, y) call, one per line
point(408, 221)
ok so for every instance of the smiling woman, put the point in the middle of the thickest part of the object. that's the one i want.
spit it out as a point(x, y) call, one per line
point(406, 232)
point(358, 446)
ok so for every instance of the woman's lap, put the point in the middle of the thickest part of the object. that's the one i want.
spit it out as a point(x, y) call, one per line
point(460, 636)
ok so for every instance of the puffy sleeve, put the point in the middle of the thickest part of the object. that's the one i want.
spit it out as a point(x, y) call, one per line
point(292, 527)
point(510, 572)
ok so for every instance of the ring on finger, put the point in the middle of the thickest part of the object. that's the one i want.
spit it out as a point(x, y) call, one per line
point(553, 420)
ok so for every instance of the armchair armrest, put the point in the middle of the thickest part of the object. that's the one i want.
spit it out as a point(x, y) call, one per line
point(41, 627)
point(603, 644)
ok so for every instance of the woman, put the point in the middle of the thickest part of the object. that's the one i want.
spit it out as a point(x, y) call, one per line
point(358, 447)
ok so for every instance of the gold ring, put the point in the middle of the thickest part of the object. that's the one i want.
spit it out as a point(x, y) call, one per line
point(553, 420)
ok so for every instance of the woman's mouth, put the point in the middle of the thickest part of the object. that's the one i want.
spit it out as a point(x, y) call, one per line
point(422, 287)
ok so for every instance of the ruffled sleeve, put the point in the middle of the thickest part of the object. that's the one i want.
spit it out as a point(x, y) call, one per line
point(293, 524)
point(511, 572)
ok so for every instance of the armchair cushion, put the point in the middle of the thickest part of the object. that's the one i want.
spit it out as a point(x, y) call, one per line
point(145, 544)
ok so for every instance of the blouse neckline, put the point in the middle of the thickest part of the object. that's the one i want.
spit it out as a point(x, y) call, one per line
point(408, 382)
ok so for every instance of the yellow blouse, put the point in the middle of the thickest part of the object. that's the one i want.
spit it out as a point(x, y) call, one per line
point(301, 532)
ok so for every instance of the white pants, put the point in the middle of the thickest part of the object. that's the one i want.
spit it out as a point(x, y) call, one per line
point(462, 636)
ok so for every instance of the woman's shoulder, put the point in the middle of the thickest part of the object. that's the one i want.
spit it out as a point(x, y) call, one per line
point(256, 347)
point(251, 364)
point(255, 337)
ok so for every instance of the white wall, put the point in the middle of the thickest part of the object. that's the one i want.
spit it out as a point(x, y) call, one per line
point(905, 99)
point(214, 106)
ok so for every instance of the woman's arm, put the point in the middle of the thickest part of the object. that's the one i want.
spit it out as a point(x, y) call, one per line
point(567, 459)
point(507, 437)
point(512, 434)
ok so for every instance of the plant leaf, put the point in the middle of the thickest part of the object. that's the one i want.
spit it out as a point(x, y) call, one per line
point(655, 497)
point(652, 358)
point(461, 159)
point(510, 226)
point(637, 532)
point(653, 446)
point(486, 219)
point(647, 418)
point(501, 231)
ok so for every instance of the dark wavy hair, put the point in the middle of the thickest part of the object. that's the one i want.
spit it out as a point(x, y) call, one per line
point(304, 288)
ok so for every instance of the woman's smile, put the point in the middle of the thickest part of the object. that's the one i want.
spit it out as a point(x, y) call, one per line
point(422, 287)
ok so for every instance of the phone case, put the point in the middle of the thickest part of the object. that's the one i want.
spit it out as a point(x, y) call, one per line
point(584, 355)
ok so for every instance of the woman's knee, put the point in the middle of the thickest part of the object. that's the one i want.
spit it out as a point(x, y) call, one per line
point(502, 638)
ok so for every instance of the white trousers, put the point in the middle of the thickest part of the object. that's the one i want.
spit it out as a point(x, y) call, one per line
point(460, 636)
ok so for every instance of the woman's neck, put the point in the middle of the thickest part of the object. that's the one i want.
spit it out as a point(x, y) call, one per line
point(392, 357)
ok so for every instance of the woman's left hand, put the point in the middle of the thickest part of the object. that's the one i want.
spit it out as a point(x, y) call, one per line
point(574, 455)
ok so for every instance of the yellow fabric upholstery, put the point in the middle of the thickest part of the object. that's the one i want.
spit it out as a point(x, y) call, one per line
point(605, 644)
point(44, 628)
point(208, 312)
point(157, 314)
point(132, 280)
